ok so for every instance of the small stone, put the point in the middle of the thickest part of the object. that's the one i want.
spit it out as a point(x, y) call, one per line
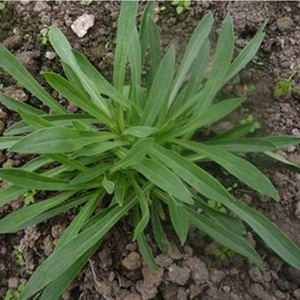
point(179, 275)
point(134, 296)
point(291, 149)
point(297, 211)
point(50, 55)
point(296, 132)
point(199, 271)
point(13, 42)
point(285, 23)
point(57, 231)
point(131, 247)
point(15, 93)
point(82, 24)
point(3, 115)
point(41, 6)
point(280, 295)
point(216, 275)
point(226, 288)
point(255, 274)
point(48, 245)
point(13, 282)
point(163, 261)
point(182, 294)
point(296, 294)
point(132, 261)
point(174, 252)
point(256, 290)
point(28, 59)
point(45, 20)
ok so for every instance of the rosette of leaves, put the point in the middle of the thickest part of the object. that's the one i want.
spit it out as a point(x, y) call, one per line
point(132, 148)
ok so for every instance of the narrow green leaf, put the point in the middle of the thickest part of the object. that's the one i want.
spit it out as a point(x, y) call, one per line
point(143, 245)
point(143, 204)
point(235, 165)
point(271, 234)
point(108, 185)
point(215, 113)
point(159, 89)
point(7, 142)
point(140, 131)
point(63, 48)
point(15, 105)
point(91, 173)
point(137, 152)
point(143, 32)
point(126, 24)
point(281, 159)
point(100, 83)
point(246, 54)
point(80, 220)
point(243, 145)
point(9, 63)
point(96, 149)
point(27, 213)
point(58, 286)
point(198, 69)
point(281, 142)
point(224, 236)
point(163, 178)
point(135, 62)
point(63, 87)
point(58, 140)
point(179, 219)
point(154, 48)
point(33, 181)
point(196, 41)
point(63, 258)
point(220, 65)
point(158, 230)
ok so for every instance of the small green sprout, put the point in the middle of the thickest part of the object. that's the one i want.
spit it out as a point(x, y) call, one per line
point(29, 197)
point(2, 5)
point(181, 5)
point(224, 253)
point(216, 206)
point(45, 36)
point(19, 257)
point(15, 294)
point(284, 87)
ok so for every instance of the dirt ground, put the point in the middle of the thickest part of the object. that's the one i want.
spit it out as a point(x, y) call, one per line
point(192, 272)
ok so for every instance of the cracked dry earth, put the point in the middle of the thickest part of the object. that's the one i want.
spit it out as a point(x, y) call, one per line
point(116, 271)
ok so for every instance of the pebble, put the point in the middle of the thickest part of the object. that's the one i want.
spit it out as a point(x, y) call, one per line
point(82, 24)
point(13, 42)
point(199, 270)
point(13, 282)
point(179, 275)
point(163, 261)
point(226, 288)
point(132, 261)
point(216, 275)
point(285, 23)
point(174, 252)
point(41, 6)
point(255, 274)
point(256, 290)
point(296, 294)
point(133, 296)
point(50, 55)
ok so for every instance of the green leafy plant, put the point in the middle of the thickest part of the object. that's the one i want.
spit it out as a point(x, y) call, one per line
point(224, 253)
point(181, 5)
point(133, 144)
point(2, 5)
point(15, 294)
point(284, 86)
point(19, 257)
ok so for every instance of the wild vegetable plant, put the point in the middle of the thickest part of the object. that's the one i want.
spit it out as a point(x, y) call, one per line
point(133, 149)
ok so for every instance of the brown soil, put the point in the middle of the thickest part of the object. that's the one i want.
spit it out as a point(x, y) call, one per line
point(191, 272)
